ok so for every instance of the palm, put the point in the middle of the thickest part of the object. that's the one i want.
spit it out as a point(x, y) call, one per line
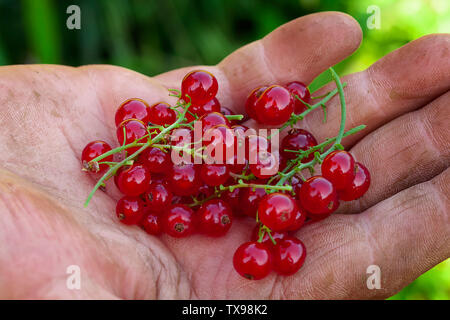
point(50, 113)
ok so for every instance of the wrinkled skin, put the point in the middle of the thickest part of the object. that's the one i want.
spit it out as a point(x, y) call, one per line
point(48, 114)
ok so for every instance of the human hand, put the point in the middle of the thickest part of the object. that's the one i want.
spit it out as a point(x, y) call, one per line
point(401, 224)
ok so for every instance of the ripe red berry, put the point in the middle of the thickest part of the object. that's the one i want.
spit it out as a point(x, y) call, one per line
point(232, 198)
point(297, 88)
point(253, 260)
point(213, 119)
point(134, 129)
point(227, 112)
point(250, 199)
point(277, 236)
point(214, 174)
point(298, 139)
point(133, 180)
point(91, 151)
point(161, 114)
point(201, 86)
point(151, 223)
point(184, 179)
point(339, 168)
point(318, 196)
point(212, 105)
point(132, 109)
point(358, 186)
point(219, 143)
point(277, 211)
point(250, 104)
point(275, 106)
point(267, 164)
point(156, 160)
point(130, 210)
point(158, 197)
point(214, 218)
point(299, 221)
point(288, 256)
point(178, 221)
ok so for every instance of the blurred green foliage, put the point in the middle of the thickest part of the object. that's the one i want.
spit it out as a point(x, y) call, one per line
point(158, 35)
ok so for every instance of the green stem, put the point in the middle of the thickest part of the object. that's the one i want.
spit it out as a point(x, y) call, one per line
point(237, 117)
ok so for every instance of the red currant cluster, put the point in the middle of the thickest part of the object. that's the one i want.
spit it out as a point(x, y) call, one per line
point(193, 167)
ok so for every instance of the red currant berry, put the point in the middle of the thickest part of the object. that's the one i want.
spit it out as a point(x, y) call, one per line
point(212, 105)
point(288, 256)
point(318, 196)
point(201, 86)
point(214, 218)
point(161, 114)
point(277, 236)
point(214, 174)
point(300, 217)
point(156, 160)
point(134, 129)
point(250, 104)
point(219, 143)
point(359, 185)
point(254, 146)
point(132, 109)
point(158, 197)
point(253, 260)
point(275, 106)
point(267, 165)
point(277, 211)
point(184, 179)
point(93, 150)
point(213, 119)
point(130, 210)
point(232, 198)
point(298, 139)
point(181, 137)
point(339, 168)
point(133, 180)
point(152, 224)
point(178, 221)
point(250, 199)
point(227, 112)
point(297, 88)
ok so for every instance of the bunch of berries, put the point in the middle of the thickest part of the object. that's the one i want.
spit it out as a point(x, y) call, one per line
point(194, 168)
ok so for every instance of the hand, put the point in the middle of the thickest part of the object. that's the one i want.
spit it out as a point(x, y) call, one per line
point(403, 223)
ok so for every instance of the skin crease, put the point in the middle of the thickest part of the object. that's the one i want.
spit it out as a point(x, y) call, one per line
point(49, 113)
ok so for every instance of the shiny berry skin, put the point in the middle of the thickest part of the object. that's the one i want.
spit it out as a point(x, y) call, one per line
point(318, 196)
point(151, 223)
point(250, 104)
point(299, 221)
point(255, 145)
point(219, 143)
point(213, 119)
point(359, 185)
point(339, 168)
point(158, 197)
point(275, 106)
point(297, 88)
point(91, 151)
point(134, 129)
point(277, 211)
point(178, 221)
point(277, 236)
point(253, 260)
point(298, 139)
point(201, 86)
point(132, 109)
point(250, 200)
point(214, 218)
point(214, 174)
point(133, 180)
point(130, 210)
point(156, 160)
point(288, 256)
point(161, 114)
point(267, 165)
point(212, 105)
point(232, 198)
point(184, 179)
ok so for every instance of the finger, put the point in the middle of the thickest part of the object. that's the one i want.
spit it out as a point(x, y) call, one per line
point(298, 50)
point(401, 82)
point(408, 150)
point(404, 236)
